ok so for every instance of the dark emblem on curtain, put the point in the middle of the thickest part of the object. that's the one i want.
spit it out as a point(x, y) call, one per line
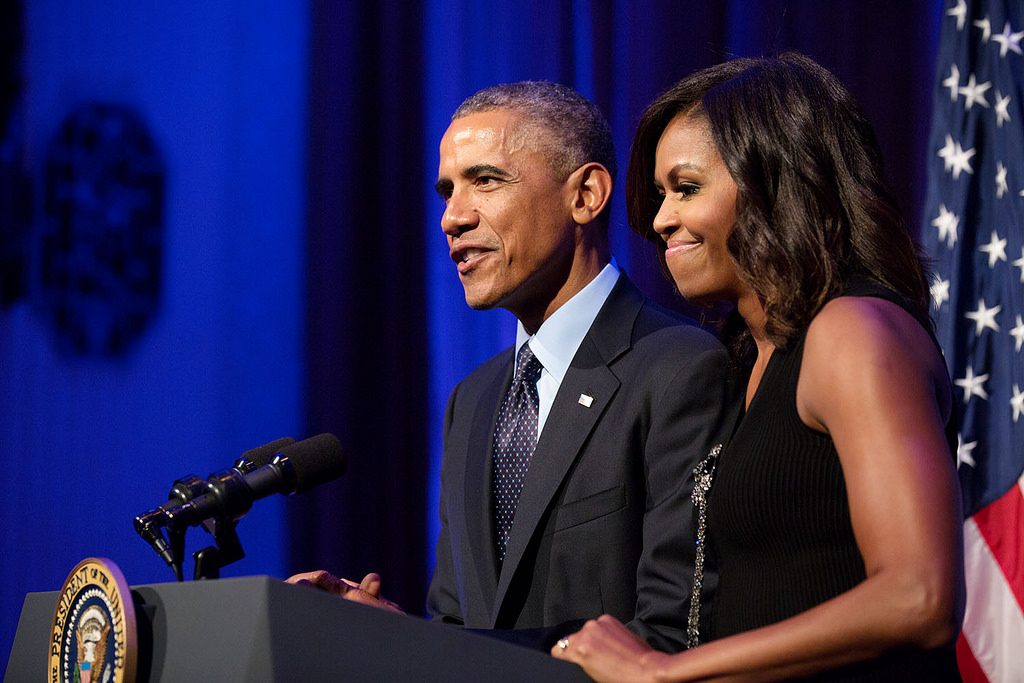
point(102, 230)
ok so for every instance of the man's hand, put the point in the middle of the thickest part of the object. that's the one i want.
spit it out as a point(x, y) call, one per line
point(366, 592)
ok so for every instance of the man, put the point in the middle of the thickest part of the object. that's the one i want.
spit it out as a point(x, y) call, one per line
point(627, 398)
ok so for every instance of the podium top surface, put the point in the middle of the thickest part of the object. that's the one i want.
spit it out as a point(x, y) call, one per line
point(262, 629)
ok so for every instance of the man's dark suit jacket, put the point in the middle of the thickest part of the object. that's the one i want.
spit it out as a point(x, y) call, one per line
point(605, 522)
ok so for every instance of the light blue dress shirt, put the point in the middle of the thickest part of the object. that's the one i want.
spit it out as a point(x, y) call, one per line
point(555, 342)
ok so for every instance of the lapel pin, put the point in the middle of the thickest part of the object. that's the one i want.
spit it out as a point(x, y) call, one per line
point(586, 401)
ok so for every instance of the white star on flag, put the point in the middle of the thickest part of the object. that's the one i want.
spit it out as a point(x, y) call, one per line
point(940, 292)
point(1018, 334)
point(953, 83)
point(986, 28)
point(1017, 403)
point(972, 385)
point(946, 222)
point(984, 317)
point(960, 12)
point(974, 93)
point(1019, 263)
point(1002, 109)
point(960, 160)
point(1008, 41)
point(996, 250)
point(947, 152)
point(965, 452)
point(1001, 186)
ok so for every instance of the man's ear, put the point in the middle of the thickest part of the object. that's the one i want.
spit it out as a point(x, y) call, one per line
point(592, 184)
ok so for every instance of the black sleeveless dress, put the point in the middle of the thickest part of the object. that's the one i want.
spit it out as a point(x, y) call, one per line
point(779, 524)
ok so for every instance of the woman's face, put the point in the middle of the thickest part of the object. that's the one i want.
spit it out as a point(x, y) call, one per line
point(698, 211)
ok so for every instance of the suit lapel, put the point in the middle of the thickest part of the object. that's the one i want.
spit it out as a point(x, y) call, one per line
point(570, 422)
point(479, 466)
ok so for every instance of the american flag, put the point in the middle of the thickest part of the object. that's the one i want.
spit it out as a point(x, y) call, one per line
point(974, 230)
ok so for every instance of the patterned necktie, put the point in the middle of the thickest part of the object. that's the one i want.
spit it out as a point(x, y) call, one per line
point(514, 439)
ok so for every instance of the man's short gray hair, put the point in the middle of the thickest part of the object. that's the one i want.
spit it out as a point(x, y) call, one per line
point(567, 128)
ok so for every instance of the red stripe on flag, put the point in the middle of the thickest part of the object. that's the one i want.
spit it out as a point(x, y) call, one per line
point(1002, 526)
point(969, 669)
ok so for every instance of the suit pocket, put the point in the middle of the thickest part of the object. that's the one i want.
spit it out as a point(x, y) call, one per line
point(592, 507)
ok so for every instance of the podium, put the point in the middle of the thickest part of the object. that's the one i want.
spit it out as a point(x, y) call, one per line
point(261, 629)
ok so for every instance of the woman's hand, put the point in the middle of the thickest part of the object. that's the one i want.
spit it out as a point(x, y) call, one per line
point(608, 651)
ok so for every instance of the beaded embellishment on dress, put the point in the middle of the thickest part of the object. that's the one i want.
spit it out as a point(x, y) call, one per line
point(703, 475)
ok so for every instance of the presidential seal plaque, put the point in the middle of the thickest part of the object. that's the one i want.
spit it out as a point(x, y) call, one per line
point(93, 639)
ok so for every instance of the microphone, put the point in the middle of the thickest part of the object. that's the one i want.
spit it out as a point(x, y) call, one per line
point(296, 469)
point(190, 486)
point(281, 466)
point(149, 524)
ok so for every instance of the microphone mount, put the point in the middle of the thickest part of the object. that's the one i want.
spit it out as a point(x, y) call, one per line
point(178, 514)
point(218, 502)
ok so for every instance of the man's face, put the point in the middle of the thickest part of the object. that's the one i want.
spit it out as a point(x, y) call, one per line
point(507, 217)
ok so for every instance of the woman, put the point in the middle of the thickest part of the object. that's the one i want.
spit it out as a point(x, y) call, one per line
point(834, 516)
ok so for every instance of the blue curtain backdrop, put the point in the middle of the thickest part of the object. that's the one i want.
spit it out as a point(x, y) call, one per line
point(90, 440)
point(306, 284)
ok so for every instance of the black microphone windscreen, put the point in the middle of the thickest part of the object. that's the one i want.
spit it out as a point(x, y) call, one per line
point(316, 460)
point(261, 455)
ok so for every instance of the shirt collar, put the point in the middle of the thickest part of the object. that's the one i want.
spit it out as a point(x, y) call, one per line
point(557, 339)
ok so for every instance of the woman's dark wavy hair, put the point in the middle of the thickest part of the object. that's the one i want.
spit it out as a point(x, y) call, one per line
point(813, 212)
